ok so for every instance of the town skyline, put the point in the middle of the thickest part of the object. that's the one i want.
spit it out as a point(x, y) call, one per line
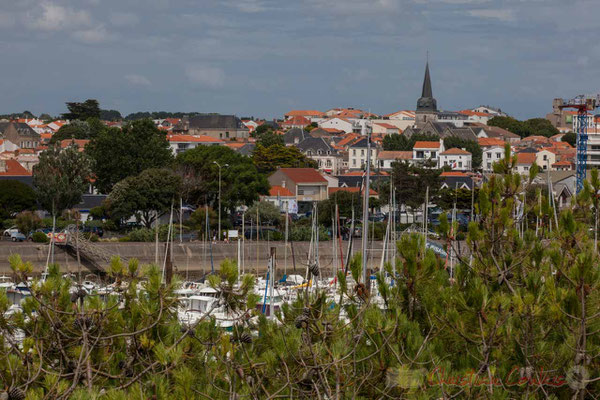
point(227, 58)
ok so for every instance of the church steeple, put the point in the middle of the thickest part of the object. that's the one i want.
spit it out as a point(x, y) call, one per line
point(427, 102)
point(427, 92)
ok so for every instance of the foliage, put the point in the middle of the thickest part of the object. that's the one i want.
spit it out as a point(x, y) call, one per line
point(571, 138)
point(121, 153)
point(78, 129)
point(39, 237)
point(27, 222)
point(530, 127)
point(462, 197)
point(470, 145)
point(198, 219)
point(147, 234)
point(159, 115)
point(303, 233)
point(411, 182)
point(241, 183)
point(147, 195)
point(15, 197)
point(262, 129)
point(346, 202)
point(268, 213)
point(269, 139)
point(110, 115)
point(82, 111)
point(60, 178)
point(399, 142)
point(268, 159)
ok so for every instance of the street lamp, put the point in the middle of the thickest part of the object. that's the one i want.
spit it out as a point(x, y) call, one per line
point(219, 165)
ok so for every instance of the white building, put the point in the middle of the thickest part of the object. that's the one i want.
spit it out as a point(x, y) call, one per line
point(544, 159)
point(386, 158)
point(341, 124)
point(457, 159)
point(402, 119)
point(491, 155)
point(423, 151)
point(357, 154)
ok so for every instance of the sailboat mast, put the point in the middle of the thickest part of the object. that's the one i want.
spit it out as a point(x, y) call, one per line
point(365, 230)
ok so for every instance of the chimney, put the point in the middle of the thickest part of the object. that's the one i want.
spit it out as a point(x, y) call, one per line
point(3, 166)
point(283, 183)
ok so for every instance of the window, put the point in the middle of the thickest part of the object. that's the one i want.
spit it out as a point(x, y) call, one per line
point(309, 153)
point(220, 135)
point(354, 162)
point(362, 152)
point(433, 154)
point(227, 134)
point(445, 163)
point(319, 152)
point(460, 164)
point(545, 157)
point(489, 155)
point(353, 152)
point(489, 165)
point(498, 155)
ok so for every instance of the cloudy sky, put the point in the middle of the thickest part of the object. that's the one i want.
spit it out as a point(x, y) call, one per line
point(265, 57)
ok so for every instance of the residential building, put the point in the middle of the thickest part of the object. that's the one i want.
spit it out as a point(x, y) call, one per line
point(485, 131)
point(385, 159)
point(310, 115)
point(11, 169)
point(424, 151)
point(20, 134)
point(250, 124)
point(357, 154)
point(491, 155)
point(323, 153)
point(338, 123)
point(444, 130)
point(223, 127)
point(353, 189)
point(295, 122)
point(280, 197)
point(383, 128)
point(244, 148)
point(181, 143)
point(524, 162)
point(455, 158)
point(294, 136)
point(401, 119)
point(7, 145)
point(496, 112)
point(563, 166)
point(306, 184)
point(476, 116)
point(545, 159)
point(456, 180)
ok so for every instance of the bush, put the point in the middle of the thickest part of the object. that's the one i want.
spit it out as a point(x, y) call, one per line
point(39, 237)
point(27, 222)
point(147, 235)
point(303, 233)
point(7, 223)
point(92, 237)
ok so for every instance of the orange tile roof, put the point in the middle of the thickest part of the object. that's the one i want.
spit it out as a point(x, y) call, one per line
point(475, 113)
point(386, 125)
point(296, 120)
point(456, 151)
point(13, 168)
point(332, 130)
point(394, 155)
point(303, 175)
point(564, 162)
point(302, 113)
point(79, 142)
point(488, 142)
point(526, 158)
point(193, 139)
point(354, 189)
point(453, 173)
point(348, 139)
point(235, 145)
point(280, 191)
point(426, 145)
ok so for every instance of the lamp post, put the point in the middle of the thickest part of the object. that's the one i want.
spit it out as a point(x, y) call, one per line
point(219, 165)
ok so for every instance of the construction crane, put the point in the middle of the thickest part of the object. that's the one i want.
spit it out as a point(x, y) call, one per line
point(583, 104)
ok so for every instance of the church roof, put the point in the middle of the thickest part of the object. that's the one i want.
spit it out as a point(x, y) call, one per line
point(427, 102)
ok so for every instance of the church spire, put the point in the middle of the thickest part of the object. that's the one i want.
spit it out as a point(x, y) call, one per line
point(427, 92)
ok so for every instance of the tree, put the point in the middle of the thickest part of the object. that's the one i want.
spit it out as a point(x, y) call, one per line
point(28, 222)
point(261, 129)
point(120, 153)
point(396, 142)
point(571, 138)
point(79, 130)
point(269, 139)
point(60, 178)
point(268, 159)
point(241, 183)
point(346, 202)
point(46, 117)
point(534, 126)
point(82, 111)
point(15, 197)
point(110, 115)
point(147, 195)
point(198, 220)
point(470, 145)
point(412, 181)
point(268, 213)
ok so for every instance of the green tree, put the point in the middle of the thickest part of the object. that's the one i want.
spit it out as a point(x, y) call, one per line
point(412, 181)
point(82, 111)
point(46, 117)
point(79, 130)
point(241, 183)
point(268, 159)
point(110, 115)
point(120, 153)
point(198, 220)
point(399, 142)
point(269, 139)
point(15, 197)
point(261, 129)
point(147, 196)
point(60, 178)
point(534, 126)
point(571, 138)
point(268, 213)
point(470, 145)
point(27, 222)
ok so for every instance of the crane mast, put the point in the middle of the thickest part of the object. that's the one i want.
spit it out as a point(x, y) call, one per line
point(582, 104)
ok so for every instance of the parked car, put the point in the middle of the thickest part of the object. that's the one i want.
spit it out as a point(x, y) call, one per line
point(377, 217)
point(45, 231)
point(8, 232)
point(17, 236)
point(96, 230)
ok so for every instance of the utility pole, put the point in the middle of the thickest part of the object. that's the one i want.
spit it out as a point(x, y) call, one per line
point(365, 230)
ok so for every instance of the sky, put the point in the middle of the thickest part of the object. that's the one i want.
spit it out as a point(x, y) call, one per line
point(263, 58)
